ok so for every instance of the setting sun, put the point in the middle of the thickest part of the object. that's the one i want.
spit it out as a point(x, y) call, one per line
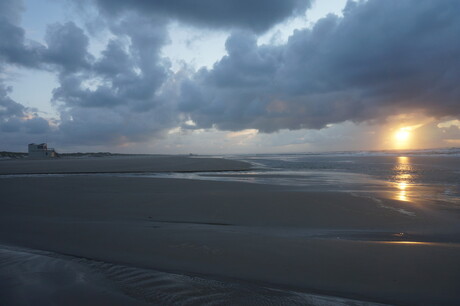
point(402, 138)
point(402, 135)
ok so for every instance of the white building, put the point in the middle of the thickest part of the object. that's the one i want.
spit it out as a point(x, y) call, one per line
point(41, 151)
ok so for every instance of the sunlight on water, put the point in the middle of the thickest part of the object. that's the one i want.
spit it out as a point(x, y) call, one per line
point(403, 178)
point(401, 193)
point(422, 243)
point(409, 242)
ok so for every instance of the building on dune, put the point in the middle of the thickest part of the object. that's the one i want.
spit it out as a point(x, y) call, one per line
point(41, 151)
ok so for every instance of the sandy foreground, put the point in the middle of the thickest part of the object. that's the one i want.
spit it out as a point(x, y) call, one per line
point(128, 240)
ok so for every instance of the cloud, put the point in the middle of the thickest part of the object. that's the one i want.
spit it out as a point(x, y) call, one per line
point(121, 96)
point(37, 125)
point(380, 59)
point(116, 98)
point(67, 47)
point(11, 115)
point(18, 122)
point(14, 48)
point(11, 11)
point(255, 15)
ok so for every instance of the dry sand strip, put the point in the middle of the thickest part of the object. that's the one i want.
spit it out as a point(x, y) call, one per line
point(120, 164)
point(250, 232)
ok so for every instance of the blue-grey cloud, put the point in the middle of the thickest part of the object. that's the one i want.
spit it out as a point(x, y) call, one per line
point(67, 47)
point(11, 112)
point(381, 58)
point(14, 48)
point(124, 102)
point(37, 125)
point(18, 119)
point(256, 15)
point(111, 99)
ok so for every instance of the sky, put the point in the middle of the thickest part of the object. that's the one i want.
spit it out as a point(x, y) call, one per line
point(226, 77)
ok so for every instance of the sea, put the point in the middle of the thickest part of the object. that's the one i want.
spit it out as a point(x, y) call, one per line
point(430, 176)
point(416, 175)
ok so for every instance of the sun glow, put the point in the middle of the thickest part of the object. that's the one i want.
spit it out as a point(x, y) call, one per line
point(402, 135)
point(402, 138)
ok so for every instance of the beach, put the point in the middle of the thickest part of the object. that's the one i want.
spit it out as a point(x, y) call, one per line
point(244, 243)
point(119, 164)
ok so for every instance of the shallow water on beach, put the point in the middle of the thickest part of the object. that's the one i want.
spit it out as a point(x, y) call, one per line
point(409, 177)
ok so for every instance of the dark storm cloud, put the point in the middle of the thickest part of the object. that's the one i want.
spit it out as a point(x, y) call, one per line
point(382, 58)
point(256, 15)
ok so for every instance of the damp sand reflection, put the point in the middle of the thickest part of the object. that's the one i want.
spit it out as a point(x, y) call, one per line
point(403, 178)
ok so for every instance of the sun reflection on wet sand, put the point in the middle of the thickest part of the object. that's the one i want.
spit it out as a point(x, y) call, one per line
point(409, 242)
point(424, 243)
point(401, 194)
point(402, 178)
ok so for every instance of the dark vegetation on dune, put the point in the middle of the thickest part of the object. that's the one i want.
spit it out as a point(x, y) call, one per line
point(15, 155)
point(5, 154)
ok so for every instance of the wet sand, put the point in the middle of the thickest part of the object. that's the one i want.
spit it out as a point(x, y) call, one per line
point(119, 164)
point(255, 236)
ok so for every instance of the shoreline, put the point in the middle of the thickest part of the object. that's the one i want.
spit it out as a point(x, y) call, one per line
point(125, 172)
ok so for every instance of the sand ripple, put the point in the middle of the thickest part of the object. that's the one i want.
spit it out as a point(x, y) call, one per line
point(38, 277)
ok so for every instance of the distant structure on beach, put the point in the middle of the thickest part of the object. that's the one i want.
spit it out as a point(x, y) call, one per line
point(41, 151)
